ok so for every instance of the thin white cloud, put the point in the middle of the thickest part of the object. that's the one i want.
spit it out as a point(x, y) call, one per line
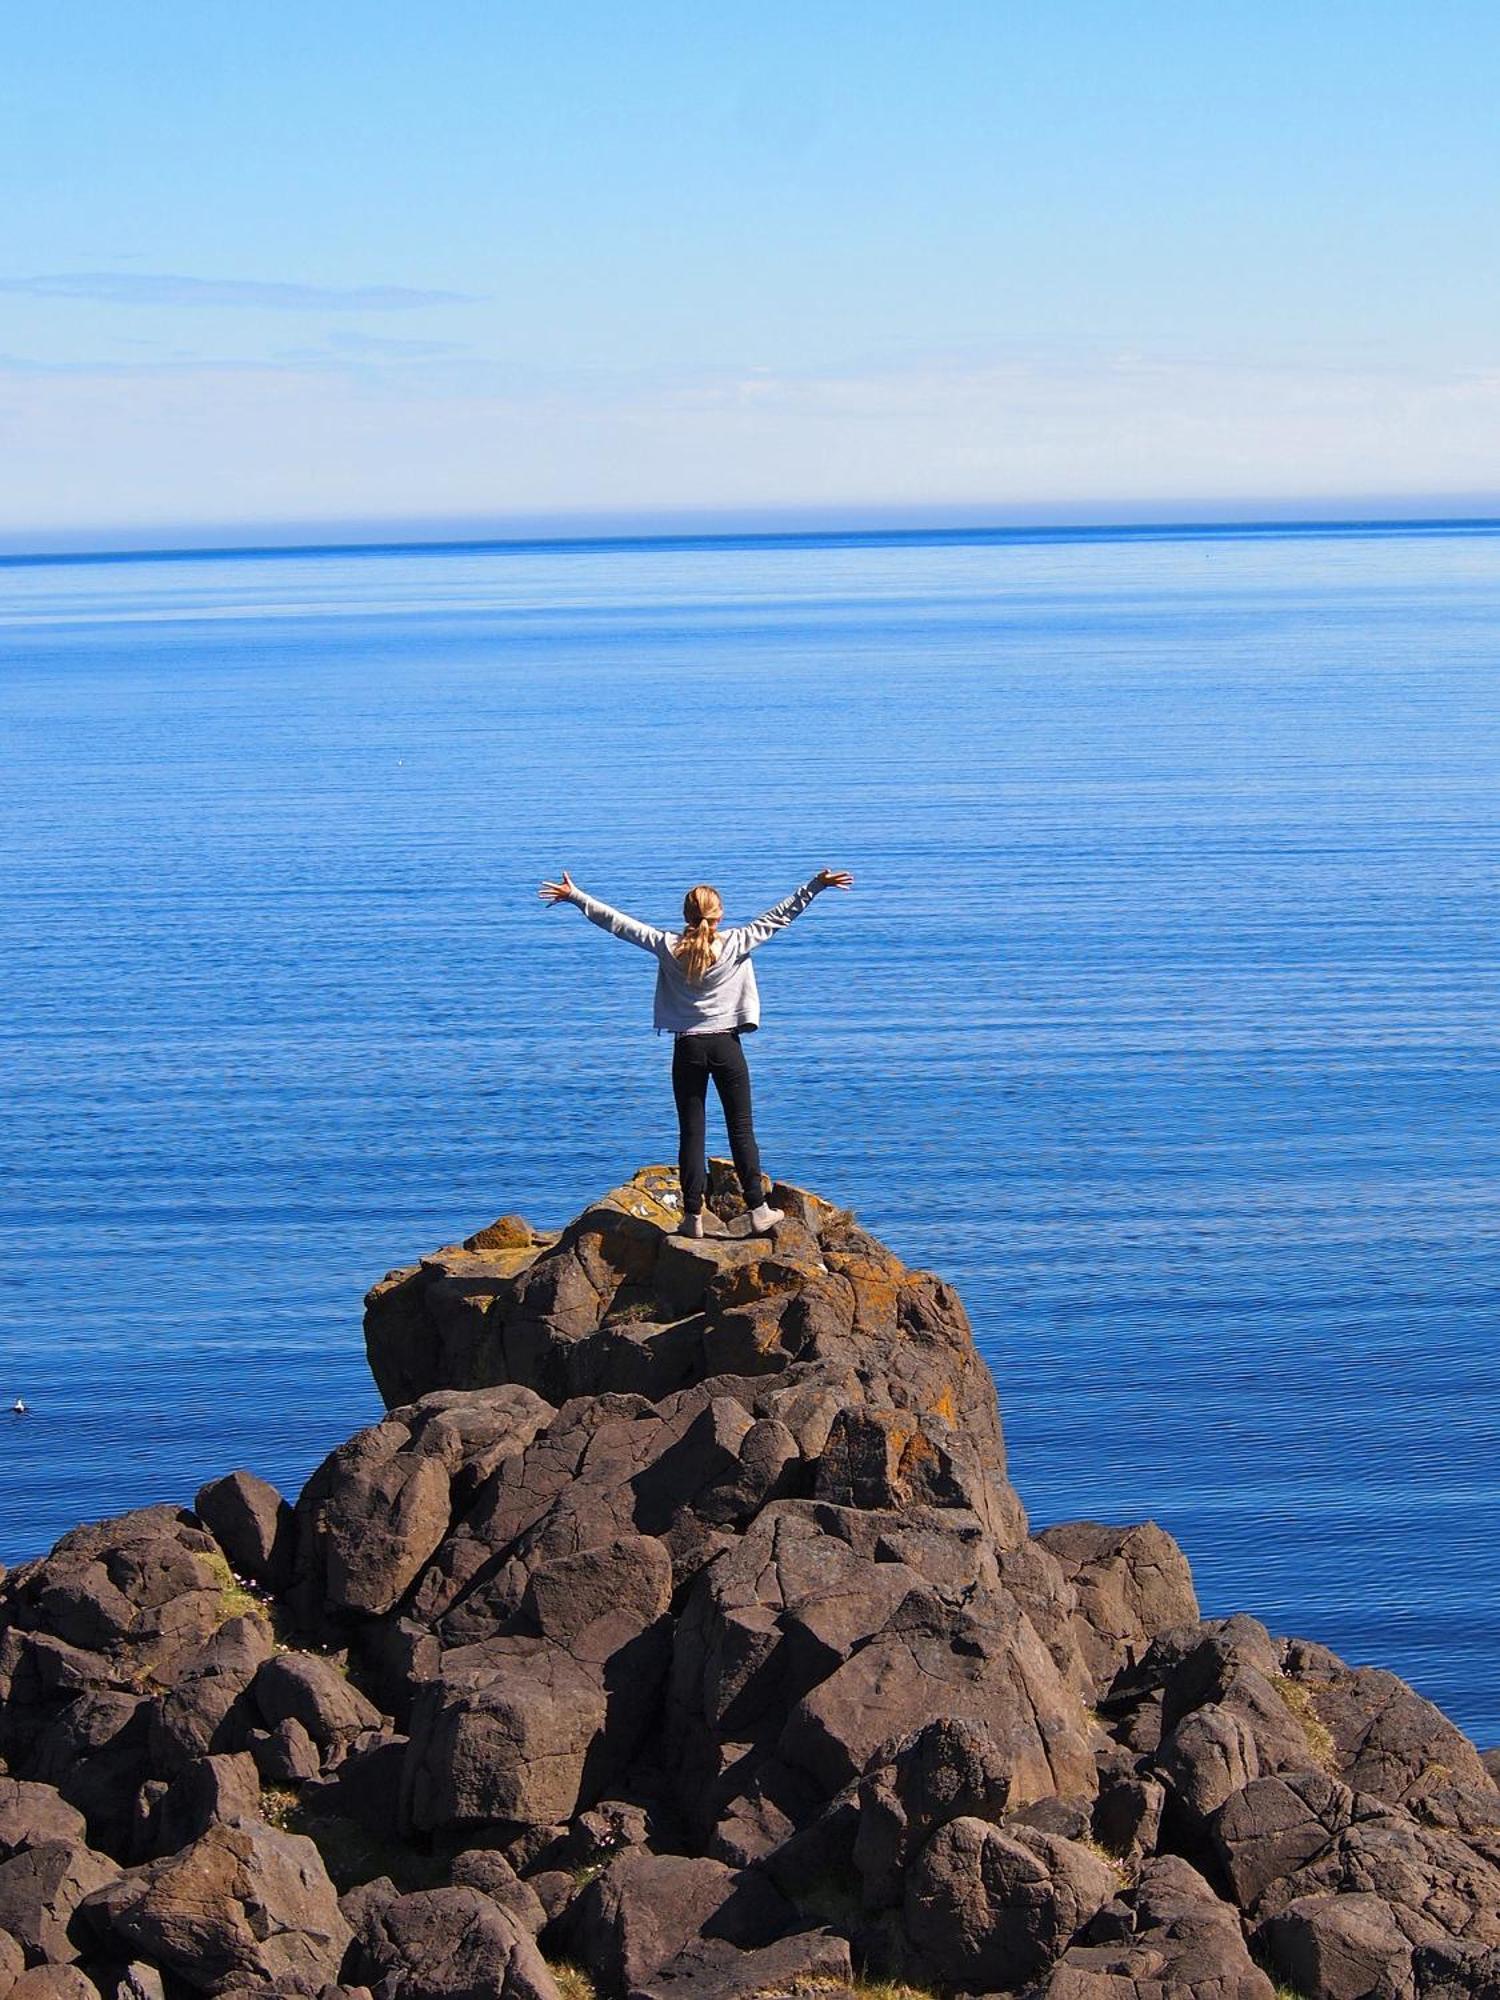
point(456, 436)
point(379, 344)
point(167, 288)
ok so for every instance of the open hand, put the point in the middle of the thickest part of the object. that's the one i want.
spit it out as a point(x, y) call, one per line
point(558, 892)
point(835, 878)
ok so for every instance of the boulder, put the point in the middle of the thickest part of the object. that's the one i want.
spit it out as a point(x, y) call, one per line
point(986, 1907)
point(1437, 1887)
point(1128, 1811)
point(555, 1888)
point(1210, 1754)
point(41, 1889)
point(948, 1770)
point(360, 1905)
point(135, 1589)
point(599, 1602)
point(1172, 1940)
point(285, 1755)
point(364, 1787)
point(487, 1870)
point(1340, 1947)
point(96, 1749)
point(1234, 1669)
point(1130, 1584)
point(502, 1733)
point(252, 1524)
point(377, 1508)
point(205, 1792)
point(928, 1664)
point(368, 1519)
point(203, 1712)
point(1381, 1736)
point(772, 1617)
point(32, 1815)
point(308, 1689)
point(244, 1905)
point(55, 1982)
point(1271, 1826)
point(709, 1968)
point(449, 1944)
point(643, 1909)
point(604, 1830)
point(595, 1474)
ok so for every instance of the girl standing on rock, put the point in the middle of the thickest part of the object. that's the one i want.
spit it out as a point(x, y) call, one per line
point(707, 998)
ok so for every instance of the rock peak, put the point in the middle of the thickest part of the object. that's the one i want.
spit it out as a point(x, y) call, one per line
point(823, 1318)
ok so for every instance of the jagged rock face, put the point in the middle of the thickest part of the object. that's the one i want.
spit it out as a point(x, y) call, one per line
point(767, 1510)
point(679, 1618)
point(620, 1303)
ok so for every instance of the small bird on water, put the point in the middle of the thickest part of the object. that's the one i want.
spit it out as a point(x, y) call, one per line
point(18, 1408)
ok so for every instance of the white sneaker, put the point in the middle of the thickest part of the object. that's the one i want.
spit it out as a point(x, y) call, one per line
point(765, 1218)
point(692, 1225)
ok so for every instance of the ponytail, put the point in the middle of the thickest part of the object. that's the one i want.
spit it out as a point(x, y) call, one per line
point(694, 949)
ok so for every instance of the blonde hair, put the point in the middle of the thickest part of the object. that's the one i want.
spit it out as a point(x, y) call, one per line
point(702, 908)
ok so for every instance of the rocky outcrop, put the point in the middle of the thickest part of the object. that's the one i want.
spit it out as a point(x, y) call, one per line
point(679, 1622)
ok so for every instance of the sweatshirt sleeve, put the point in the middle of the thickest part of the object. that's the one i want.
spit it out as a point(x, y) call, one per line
point(779, 916)
point(618, 924)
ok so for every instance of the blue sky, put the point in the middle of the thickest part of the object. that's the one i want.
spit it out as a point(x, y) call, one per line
point(347, 263)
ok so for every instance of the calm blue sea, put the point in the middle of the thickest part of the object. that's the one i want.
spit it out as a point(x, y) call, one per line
point(1163, 1018)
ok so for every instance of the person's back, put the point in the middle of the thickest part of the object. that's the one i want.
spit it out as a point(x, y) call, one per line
point(725, 997)
point(706, 998)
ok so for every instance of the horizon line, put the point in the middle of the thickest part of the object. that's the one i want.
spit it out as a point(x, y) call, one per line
point(933, 532)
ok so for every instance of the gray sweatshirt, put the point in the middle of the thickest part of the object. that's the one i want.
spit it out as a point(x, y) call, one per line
point(727, 996)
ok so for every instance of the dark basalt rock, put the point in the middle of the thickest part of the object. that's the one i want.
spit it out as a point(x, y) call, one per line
point(806, 1962)
point(502, 1733)
point(55, 1982)
point(1128, 1583)
point(1168, 1936)
point(1270, 1827)
point(486, 1869)
point(1349, 1947)
point(136, 1590)
point(988, 1907)
point(679, 1618)
point(252, 1524)
point(41, 1889)
point(309, 1690)
point(33, 1814)
point(203, 1711)
point(246, 1905)
point(948, 1770)
point(645, 1909)
point(449, 1944)
point(212, 1790)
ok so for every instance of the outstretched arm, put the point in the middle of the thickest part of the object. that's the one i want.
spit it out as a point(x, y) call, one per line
point(777, 918)
point(614, 921)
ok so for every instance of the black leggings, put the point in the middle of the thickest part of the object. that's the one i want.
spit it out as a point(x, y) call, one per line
point(695, 1059)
